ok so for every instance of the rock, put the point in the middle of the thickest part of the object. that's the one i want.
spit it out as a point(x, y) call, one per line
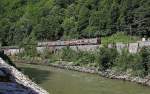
point(13, 88)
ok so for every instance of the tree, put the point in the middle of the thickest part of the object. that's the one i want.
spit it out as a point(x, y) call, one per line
point(49, 28)
point(70, 28)
point(50, 19)
point(4, 31)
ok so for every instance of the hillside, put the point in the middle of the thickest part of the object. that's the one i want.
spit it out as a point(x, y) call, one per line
point(22, 20)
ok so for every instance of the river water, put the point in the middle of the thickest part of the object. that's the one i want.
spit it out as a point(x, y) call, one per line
point(60, 81)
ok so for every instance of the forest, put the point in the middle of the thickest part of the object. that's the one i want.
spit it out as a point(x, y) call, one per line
point(44, 20)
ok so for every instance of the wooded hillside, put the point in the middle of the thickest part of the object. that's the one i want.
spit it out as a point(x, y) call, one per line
point(21, 20)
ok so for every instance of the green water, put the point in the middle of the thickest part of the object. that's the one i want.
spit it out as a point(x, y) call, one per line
point(59, 81)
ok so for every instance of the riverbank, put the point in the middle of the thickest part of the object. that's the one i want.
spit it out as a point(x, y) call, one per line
point(111, 74)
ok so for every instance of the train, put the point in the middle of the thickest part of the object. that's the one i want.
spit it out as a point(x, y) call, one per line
point(83, 44)
point(92, 41)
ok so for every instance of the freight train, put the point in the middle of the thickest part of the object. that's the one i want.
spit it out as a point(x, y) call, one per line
point(82, 44)
point(93, 41)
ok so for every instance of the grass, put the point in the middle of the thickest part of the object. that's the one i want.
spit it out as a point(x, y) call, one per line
point(119, 37)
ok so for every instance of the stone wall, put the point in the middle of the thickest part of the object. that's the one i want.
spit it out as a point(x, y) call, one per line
point(131, 47)
point(14, 51)
point(75, 47)
point(18, 80)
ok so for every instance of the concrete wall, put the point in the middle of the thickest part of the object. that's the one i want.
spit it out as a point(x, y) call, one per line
point(15, 51)
point(132, 47)
point(78, 47)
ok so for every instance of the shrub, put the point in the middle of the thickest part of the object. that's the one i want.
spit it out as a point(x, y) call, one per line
point(106, 57)
point(46, 54)
point(85, 58)
point(137, 66)
point(124, 60)
point(78, 57)
point(145, 55)
point(68, 54)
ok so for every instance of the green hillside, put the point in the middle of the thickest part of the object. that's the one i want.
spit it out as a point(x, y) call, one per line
point(21, 20)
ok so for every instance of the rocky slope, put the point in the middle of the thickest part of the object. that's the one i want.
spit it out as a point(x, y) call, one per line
point(13, 81)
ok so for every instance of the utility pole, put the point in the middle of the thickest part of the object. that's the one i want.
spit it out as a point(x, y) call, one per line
point(0, 46)
point(130, 31)
point(1, 52)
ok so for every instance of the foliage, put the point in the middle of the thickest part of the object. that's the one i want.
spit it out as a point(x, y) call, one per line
point(29, 46)
point(137, 66)
point(67, 54)
point(145, 55)
point(103, 59)
point(106, 57)
point(139, 63)
point(67, 19)
point(86, 58)
point(124, 60)
point(119, 37)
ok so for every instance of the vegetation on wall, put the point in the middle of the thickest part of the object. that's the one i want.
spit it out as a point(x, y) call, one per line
point(103, 59)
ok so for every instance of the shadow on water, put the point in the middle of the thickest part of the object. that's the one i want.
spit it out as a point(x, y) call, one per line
point(35, 74)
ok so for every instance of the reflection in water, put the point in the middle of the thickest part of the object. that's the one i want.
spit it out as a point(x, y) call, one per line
point(59, 81)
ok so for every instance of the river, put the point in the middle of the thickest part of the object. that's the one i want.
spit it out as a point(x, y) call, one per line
point(60, 81)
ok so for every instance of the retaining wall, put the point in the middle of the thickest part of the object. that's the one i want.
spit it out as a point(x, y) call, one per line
point(132, 47)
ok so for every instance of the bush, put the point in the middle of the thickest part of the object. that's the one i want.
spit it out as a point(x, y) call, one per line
point(139, 63)
point(85, 58)
point(46, 54)
point(137, 66)
point(124, 60)
point(145, 55)
point(77, 57)
point(106, 57)
point(68, 54)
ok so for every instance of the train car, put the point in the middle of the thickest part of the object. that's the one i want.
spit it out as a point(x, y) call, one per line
point(93, 41)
